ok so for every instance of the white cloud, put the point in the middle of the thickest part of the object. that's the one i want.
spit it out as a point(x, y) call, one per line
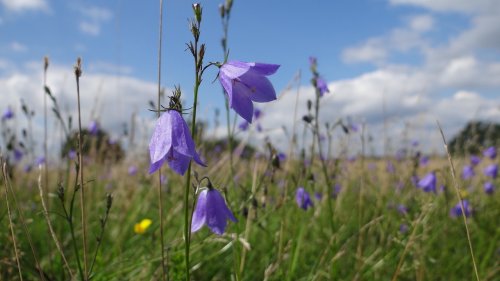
point(24, 5)
point(17, 47)
point(371, 51)
point(94, 17)
point(111, 99)
point(90, 28)
point(462, 6)
point(421, 23)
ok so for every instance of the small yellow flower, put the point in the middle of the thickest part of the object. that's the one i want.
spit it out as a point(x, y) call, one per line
point(141, 227)
point(464, 194)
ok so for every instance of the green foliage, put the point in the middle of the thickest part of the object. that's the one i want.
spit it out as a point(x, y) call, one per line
point(475, 136)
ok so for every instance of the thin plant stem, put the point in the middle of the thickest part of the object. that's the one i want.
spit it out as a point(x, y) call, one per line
point(160, 199)
point(8, 185)
point(459, 196)
point(45, 133)
point(12, 225)
point(49, 224)
point(78, 73)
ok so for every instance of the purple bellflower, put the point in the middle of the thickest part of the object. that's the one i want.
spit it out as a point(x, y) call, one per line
point(172, 142)
point(424, 160)
point(93, 128)
point(243, 125)
point(321, 86)
point(491, 171)
point(303, 199)
point(490, 152)
point(211, 209)
point(428, 183)
point(257, 113)
point(245, 82)
point(8, 114)
point(132, 170)
point(18, 154)
point(489, 188)
point(474, 160)
point(467, 172)
point(456, 211)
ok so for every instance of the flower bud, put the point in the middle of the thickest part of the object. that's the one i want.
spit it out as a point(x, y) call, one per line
point(222, 10)
point(197, 11)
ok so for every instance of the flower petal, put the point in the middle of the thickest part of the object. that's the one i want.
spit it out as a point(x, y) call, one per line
point(216, 213)
point(234, 69)
point(240, 101)
point(181, 137)
point(259, 89)
point(178, 162)
point(200, 212)
point(264, 68)
point(156, 165)
point(161, 141)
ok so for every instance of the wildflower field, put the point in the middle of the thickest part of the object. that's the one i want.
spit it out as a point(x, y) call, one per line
point(188, 204)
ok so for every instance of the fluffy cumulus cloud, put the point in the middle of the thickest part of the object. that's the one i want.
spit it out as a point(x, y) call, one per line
point(453, 82)
point(92, 19)
point(24, 5)
point(112, 100)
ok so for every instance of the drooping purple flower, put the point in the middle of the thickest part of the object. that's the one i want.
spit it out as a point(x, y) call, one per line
point(18, 154)
point(321, 86)
point(303, 199)
point(243, 125)
point(318, 195)
point(257, 113)
point(40, 161)
point(313, 60)
point(72, 154)
point(389, 167)
point(132, 170)
point(8, 114)
point(491, 171)
point(457, 209)
point(490, 152)
point(245, 82)
point(281, 156)
point(93, 128)
point(259, 128)
point(402, 209)
point(336, 190)
point(27, 168)
point(428, 183)
point(474, 160)
point(424, 160)
point(403, 228)
point(489, 188)
point(467, 172)
point(172, 142)
point(211, 209)
point(414, 143)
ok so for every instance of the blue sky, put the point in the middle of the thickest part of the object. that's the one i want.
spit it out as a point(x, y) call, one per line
point(397, 61)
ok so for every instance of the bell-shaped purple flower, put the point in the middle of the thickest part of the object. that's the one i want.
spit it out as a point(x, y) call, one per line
point(93, 128)
point(474, 160)
point(303, 199)
point(18, 154)
point(321, 86)
point(246, 82)
point(457, 209)
point(424, 160)
point(257, 113)
point(172, 142)
point(132, 170)
point(428, 183)
point(491, 170)
point(467, 172)
point(490, 152)
point(8, 114)
point(211, 209)
point(489, 188)
point(243, 125)
point(389, 167)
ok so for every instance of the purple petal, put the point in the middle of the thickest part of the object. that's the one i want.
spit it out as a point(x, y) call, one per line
point(198, 160)
point(234, 69)
point(200, 212)
point(181, 136)
point(264, 68)
point(161, 141)
point(241, 103)
point(156, 165)
point(216, 215)
point(178, 162)
point(259, 88)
